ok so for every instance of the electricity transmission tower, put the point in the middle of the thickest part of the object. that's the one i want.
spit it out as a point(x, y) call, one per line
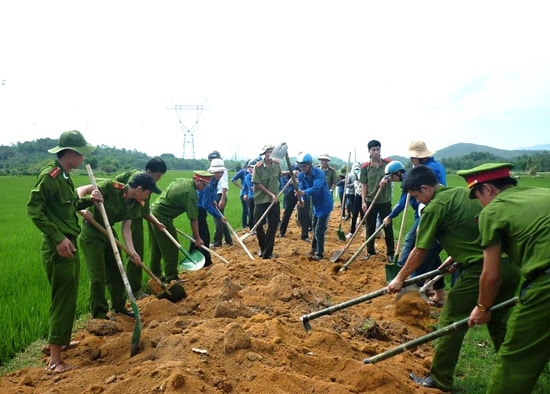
point(188, 132)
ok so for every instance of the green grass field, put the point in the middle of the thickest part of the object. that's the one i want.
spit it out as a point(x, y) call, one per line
point(24, 291)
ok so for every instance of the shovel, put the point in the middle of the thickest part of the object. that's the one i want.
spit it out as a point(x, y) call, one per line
point(392, 269)
point(253, 229)
point(175, 293)
point(331, 309)
point(134, 346)
point(193, 261)
point(280, 153)
point(338, 253)
point(358, 252)
point(340, 232)
point(433, 335)
point(190, 238)
point(444, 268)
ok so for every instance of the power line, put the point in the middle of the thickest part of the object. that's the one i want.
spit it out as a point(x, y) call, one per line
point(188, 132)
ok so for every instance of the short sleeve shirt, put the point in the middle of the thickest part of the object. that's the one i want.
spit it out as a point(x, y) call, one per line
point(371, 176)
point(452, 219)
point(519, 218)
point(180, 196)
point(118, 209)
point(267, 175)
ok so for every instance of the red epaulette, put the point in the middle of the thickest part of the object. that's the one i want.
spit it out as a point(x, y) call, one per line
point(387, 160)
point(365, 164)
point(260, 163)
point(55, 172)
point(118, 185)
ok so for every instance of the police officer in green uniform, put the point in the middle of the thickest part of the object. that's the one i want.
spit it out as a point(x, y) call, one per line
point(180, 196)
point(450, 217)
point(156, 167)
point(123, 203)
point(330, 173)
point(265, 178)
point(52, 206)
point(372, 172)
point(514, 220)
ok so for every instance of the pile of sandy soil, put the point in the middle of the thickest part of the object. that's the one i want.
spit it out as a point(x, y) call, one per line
point(239, 331)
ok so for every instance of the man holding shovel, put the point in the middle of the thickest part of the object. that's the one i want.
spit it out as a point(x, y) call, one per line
point(515, 220)
point(265, 178)
point(312, 183)
point(450, 216)
point(123, 203)
point(372, 172)
point(156, 167)
point(52, 206)
point(179, 197)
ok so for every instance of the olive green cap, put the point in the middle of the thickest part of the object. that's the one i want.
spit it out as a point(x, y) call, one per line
point(73, 140)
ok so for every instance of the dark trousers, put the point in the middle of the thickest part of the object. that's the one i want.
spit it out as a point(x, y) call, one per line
point(204, 232)
point(266, 239)
point(356, 211)
point(289, 202)
point(245, 217)
point(222, 231)
point(304, 217)
point(382, 209)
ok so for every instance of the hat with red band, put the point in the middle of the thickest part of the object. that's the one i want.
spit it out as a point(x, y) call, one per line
point(485, 173)
point(202, 176)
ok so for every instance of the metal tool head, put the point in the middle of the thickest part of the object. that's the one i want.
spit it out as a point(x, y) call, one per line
point(279, 152)
point(194, 262)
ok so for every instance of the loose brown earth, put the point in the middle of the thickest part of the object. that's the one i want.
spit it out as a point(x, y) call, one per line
point(239, 330)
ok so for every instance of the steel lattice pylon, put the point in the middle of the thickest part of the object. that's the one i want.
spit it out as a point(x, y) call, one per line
point(188, 132)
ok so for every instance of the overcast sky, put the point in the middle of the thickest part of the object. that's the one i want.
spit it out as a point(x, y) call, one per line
point(323, 76)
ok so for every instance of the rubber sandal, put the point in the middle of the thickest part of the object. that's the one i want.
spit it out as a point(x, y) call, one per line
point(59, 367)
point(46, 348)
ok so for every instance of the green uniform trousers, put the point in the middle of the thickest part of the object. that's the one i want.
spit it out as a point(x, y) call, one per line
point(134, 272)
point(163, 248)
point(526, 348)
point(103, 272)
point(63, 275)
point(461, 299)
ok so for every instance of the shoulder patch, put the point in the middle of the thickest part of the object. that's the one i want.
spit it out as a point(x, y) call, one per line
point(118, 185)
point(331, 168)
point(260, 163)
point(55, 172)
point(387, 160)
point(365, 164)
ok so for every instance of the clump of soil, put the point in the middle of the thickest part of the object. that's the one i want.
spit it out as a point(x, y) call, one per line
point(239, 330)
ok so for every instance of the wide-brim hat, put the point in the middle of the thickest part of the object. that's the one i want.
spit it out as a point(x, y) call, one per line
point(266, 148)
point(217, 165)
point(485, 173)
point(324, 156)
point(73, 140)
point(419, 150)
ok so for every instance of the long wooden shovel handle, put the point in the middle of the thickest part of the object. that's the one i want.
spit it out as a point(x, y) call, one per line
point(190, 238)
point(137, 328)
point(364, 217)
point(402, 229)
point(237, 236)
point(125, 249)
point(433, 335)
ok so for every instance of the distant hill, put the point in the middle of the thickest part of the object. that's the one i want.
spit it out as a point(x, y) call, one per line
point(463, 149)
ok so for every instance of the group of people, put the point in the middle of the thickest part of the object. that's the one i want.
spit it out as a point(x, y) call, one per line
point(494, 230)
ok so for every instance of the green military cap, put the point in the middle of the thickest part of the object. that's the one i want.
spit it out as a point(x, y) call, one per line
point(73, 140)
point(484, 173)
point(202, 175)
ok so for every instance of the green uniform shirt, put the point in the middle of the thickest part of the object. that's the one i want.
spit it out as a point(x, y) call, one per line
point(267, 176)
point(117, 208)
point(180, 196)
point(330, 176)
point(371, 176)
point(519, 218)
point(451, 218)
point(53, 204)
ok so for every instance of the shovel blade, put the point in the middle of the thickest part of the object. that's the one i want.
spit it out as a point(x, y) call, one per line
point(336, 255)
point(406, 290)
point(279, 152)
point(392, 270)
point(194, 262)
point(341, 234)
point(176, 293)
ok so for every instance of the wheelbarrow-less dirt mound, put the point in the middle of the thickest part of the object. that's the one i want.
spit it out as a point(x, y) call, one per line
point(239, 331)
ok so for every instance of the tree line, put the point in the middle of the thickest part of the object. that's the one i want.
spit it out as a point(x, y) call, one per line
point(27, 158)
